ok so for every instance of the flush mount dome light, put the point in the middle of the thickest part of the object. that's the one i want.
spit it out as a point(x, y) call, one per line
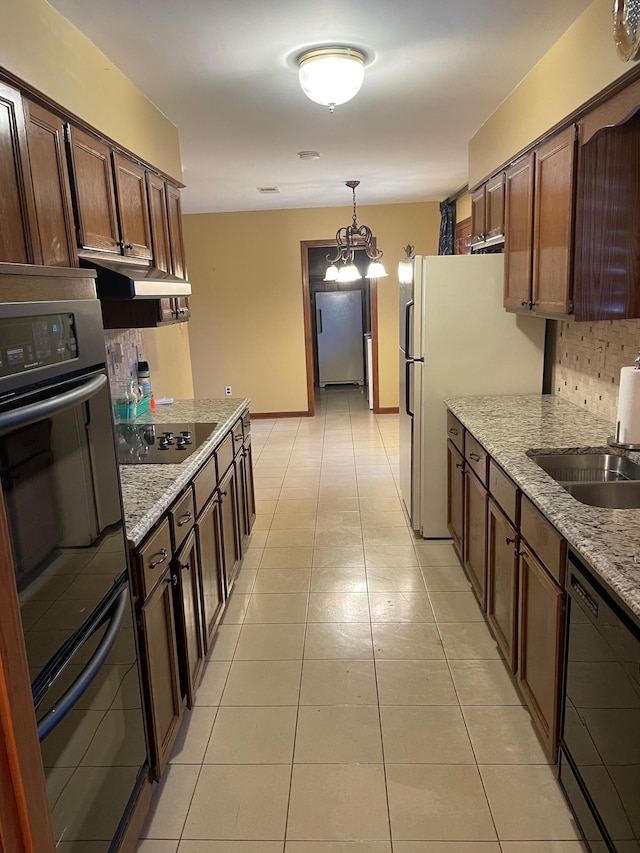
point(331, 75)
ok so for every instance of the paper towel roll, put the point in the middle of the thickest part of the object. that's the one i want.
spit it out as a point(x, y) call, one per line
point(629, 406)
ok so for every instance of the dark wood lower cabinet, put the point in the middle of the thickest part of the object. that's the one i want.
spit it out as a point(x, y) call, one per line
point(476, 500)
point(210, 555)
point(228, 494)
point(186, 569)
point(502, 582)
point(161, 678)
point(455, 497)
point(540, 630)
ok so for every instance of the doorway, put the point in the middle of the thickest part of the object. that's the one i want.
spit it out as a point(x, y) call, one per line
point(353, 298)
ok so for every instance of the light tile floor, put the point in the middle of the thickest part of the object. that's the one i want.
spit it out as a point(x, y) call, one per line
point(354, 700)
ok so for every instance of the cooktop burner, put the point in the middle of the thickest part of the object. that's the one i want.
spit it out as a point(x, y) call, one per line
point(154, 443)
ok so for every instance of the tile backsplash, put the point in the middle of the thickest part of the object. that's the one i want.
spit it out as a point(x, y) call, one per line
point(588, 358)
point(124, 350)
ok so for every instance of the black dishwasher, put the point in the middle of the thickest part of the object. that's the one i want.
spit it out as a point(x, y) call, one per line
point(599, 764)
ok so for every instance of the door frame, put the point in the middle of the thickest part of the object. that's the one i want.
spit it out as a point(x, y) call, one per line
point(305, 245)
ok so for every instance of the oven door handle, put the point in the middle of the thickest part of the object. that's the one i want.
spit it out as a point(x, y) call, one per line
point(115, 615)
point(52, 405)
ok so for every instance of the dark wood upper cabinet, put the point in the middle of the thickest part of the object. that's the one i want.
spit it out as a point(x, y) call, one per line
point(17, 207)
point(159, 219)
point(133, 207)
point(478, 216)
point(607, 252)
point(494, 208)
point(95, 198)
point(178, 262)
point(518, 245)
point(553, 218)
point(51, 188)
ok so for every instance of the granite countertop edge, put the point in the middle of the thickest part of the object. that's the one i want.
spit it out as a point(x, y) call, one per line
point(508, 427)
point(149, 490)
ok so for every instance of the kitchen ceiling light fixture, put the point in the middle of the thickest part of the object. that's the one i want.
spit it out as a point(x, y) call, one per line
point(348, 239)
point(331, 75)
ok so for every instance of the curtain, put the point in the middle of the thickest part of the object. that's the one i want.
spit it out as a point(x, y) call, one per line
point(447, 227)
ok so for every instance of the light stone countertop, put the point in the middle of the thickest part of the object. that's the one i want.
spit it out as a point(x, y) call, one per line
point(149, 490)
point(507, 427)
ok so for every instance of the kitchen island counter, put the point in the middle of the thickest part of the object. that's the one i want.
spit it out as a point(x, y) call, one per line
point(508, 427)
point(149, 490)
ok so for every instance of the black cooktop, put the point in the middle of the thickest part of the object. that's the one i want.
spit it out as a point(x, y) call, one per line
point(139, 444)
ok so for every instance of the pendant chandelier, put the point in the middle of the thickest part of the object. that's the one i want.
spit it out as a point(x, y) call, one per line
point(348, 239)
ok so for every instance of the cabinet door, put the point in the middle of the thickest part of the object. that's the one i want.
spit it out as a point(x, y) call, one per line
point(228, 493)
point(178, 263)
point(502, 582)
point(248, 486)
point(475, 534)
point(494, 207)
point(243, 536)
point(455, 497)
point(95, 197)
point(553, 223)
point(518, 234)
point(51, 188)
point(210, 556)
point(158, 217)
point(17, 207)
point(161, 676)
point(188, 613)
point(540, 630)
point(133, 207)
point(478, 216)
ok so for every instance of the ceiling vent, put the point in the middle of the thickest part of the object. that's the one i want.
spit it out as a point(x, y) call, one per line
point(268, 190)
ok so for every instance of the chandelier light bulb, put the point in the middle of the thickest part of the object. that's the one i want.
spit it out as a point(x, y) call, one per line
point(376, 270)
point(332, 75)
point(331, 273)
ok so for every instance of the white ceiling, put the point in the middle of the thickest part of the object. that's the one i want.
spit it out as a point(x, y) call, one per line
point(224, 72)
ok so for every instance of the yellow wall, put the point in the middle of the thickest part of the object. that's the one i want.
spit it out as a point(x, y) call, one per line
point(463, 207)
point(167, 351)
point(42, 48)
point(581, 63)
point(247, 329)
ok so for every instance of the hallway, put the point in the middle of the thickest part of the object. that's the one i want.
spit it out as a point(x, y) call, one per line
point(354, 701)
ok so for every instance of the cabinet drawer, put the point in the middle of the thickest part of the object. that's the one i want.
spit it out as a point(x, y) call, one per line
point(204, 484)
point(455, 432)
point(544, 539)
point(246, 422)
point(477, 457)
point(504, 491)
point(238, 436)
point(224, 455)
point(154, 557)
point(182, 518)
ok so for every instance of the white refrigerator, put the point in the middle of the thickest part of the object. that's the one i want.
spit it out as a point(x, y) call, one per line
point(456, 339)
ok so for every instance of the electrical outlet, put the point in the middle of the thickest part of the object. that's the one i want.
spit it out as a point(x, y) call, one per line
point(227, 390)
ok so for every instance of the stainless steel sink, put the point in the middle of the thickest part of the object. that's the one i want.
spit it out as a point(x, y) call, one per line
point(598, 479)
point(611, 495)
point(588, 467)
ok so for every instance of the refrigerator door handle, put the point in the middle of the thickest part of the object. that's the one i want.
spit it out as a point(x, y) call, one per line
point(407, 388)
point(407, 326)
point(319, 320)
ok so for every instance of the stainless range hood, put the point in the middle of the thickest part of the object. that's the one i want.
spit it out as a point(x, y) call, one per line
point(128, 278)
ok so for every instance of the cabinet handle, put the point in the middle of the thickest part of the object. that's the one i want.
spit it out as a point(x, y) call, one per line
point(172, 579)
point(186, 566)
point(238, 438)
point(162, 553)
point(459, 465)
point(181, 311)
point(217, 500)
point(475, 457)
point(509, 541)
point(525, 303)
point(453, 431)
point(127, 246)
point(223, 494)
point(184, 519)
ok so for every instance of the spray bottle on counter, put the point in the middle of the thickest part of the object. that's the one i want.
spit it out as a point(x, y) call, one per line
point(144, 378)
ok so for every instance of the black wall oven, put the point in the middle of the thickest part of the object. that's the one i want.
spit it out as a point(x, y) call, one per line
point(599, 761)
point(61, 492)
